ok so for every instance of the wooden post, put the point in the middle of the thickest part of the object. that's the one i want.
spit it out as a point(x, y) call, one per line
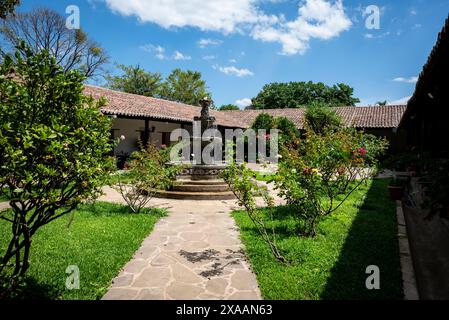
point(147, 132)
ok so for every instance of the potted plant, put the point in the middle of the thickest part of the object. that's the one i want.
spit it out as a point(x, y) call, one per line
point(397, 188)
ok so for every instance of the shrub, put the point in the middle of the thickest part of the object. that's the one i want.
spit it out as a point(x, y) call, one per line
point(149, 171)
point(54, 146)
point(264, 121)
point(317, 177)
point(321, 118)
point(241, 181)
point(288, 133)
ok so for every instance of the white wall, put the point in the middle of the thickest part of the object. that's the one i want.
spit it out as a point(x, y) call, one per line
point(129, 128)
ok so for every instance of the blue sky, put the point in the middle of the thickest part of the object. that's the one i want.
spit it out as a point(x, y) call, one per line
point(241, 45)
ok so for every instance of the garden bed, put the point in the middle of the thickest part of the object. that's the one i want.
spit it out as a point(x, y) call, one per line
point(332, 265)
point(101, 239)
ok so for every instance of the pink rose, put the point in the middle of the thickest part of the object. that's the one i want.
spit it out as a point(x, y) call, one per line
point(362, 152)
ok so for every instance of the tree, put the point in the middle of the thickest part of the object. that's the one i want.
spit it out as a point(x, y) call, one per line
point(185, 87)
point(45, 29)
point(137, 81)
point(54, 147)
point(7, 7)
point(229, 107)
point(382, 103)
point(264, 121)
point(287, 130)
point(300, 94)
point(321, 118)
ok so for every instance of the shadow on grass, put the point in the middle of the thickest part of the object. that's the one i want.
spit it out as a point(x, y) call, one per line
point(371, 241)
point(30, 289)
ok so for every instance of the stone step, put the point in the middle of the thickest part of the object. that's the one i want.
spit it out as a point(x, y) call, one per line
point(195, 195)
point(201, 188)
point(202, 182)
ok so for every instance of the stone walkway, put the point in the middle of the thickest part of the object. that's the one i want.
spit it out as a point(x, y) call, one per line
point(194, 253)
point(4, 206)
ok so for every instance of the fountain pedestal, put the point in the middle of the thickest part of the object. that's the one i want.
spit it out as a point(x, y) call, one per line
point(201, 181)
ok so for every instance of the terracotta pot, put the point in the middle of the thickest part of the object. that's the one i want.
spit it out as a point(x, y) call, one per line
point(396, 192)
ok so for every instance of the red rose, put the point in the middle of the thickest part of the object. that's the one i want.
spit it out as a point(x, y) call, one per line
point(362, 152)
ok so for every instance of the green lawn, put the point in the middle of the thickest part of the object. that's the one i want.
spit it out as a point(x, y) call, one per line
point(264, 177)
point(3, 198)
point(332, 265)
point(100, 241)
point(120, 176)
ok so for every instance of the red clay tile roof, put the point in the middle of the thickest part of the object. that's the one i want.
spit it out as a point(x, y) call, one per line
point(358, 117)
point(130, 105)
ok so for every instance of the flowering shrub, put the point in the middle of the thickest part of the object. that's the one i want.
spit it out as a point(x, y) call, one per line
point(241, 181)
point(323, 171)
point(150, 171)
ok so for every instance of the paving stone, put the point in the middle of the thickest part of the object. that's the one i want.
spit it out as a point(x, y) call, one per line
point(135, 266)
point(193, 246)
point(182, 274)
point(162, 260)
point(222, 240)
point(153, 277)
point(206, 296)
point(151, 294)
point(147, 252)
point(178, 291)
point(244, 295)
point(170, 247)
point(243, 280)
point(121, 294)
point(192, 236)
point(217, 286)
point(122, 281)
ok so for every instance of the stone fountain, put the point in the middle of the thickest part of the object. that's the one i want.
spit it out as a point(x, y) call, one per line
point(200, 180)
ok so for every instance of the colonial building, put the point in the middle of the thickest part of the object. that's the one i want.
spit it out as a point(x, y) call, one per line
point(426, 121)
point(149, 119)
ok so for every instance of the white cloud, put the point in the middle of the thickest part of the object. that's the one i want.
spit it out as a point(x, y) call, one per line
point(379, 36)
point(317, 19)
point(203, 43)
point(401, 101)
point(160, 53)
point(233, 71)
point(243, 103)
point(220, 15)
point(180, 56)
point(232, 61)
point(406, 80)
point(209, 58)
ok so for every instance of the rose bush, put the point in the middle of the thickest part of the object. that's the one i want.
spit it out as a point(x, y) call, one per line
point(323, 171)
